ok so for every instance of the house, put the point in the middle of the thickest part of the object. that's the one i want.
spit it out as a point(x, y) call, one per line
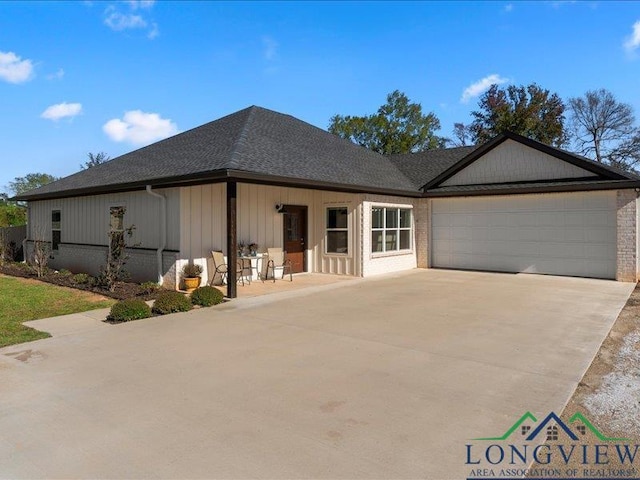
point(511, 205)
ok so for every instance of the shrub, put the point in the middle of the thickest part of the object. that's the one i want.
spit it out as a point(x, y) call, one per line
point(149, 287)
point(127, 310)
point(191, 270)
point(206, 296)
point(64, 273)
point(81, 278)
point(171, 302)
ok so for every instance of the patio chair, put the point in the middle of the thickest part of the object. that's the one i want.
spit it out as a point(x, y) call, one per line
point(222, 269)
point(278, 261)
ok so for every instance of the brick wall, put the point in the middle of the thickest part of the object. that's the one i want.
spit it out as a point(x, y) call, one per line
point(627, 231)
point(422, 220)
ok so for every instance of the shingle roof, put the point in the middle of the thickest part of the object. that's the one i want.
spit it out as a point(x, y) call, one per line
point(254, 140)
point(265, 146)
point(421, 167)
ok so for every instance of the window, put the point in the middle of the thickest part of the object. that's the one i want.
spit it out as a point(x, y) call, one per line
point(116, 219)
point(337, 230)
point(56, 234)
point(390, 229)
point(116, 227)
point(552, 433)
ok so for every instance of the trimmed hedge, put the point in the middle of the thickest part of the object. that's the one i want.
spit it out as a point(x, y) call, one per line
point(127, 310)
point(171, 302)
point(206, 296)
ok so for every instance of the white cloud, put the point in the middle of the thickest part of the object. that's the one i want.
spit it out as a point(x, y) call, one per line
point(134, 18)
point(123, 21)
point(482, 85)
point(14, 69)
point(139, 128)
point(62, 110)
point(632, 42)
point(136, 4)
point(270, 47)
point(59, 75)
point(154, 32)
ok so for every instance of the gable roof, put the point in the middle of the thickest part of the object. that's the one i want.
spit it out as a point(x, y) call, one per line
point(422, 167)
point(603, 172)
point(262, 146)
point(251, 144)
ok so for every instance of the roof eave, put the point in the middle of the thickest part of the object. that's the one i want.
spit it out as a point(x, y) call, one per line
point(541, 147)
point(217, 177)
point(528, 189)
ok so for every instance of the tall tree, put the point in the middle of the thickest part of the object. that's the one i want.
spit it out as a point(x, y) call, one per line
point(11, 214)
point(530, 111)
point(399, 126)
point(604, 129)
point(95, 159)
point(462, 135)
point(29, 182)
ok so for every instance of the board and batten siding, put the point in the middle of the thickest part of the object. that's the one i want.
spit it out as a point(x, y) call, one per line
point(512, 161)
point(203, 223)
point(85, 220)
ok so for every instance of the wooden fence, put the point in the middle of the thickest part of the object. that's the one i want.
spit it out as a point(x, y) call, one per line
point(15, 235)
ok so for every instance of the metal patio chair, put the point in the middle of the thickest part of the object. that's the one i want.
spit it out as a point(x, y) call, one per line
point(278, 261)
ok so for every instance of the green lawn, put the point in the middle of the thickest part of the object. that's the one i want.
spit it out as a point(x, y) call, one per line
point(22, 300)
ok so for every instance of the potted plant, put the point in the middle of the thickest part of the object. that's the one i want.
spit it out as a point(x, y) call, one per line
point(191, 276)
point(241, 248)
point(253, 249)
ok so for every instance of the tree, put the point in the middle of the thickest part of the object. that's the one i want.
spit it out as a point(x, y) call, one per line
point(604, 129)
point(462, 135)
point(11, 214)
point(95, 159)
point(30, 181)
point(529, 110)
point(399, 126)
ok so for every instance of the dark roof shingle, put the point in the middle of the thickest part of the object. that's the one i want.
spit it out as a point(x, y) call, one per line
point(253, 140)
point(263, 145)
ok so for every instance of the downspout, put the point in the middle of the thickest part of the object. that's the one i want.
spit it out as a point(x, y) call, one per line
point(163, 230)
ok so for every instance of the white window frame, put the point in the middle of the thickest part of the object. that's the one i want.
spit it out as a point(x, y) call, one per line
point(384, 229)
point(341, 229)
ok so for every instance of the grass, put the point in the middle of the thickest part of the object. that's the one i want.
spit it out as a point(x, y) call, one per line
point(22, 300)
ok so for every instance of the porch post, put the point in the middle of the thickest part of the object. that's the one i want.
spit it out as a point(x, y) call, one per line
point(232, 250)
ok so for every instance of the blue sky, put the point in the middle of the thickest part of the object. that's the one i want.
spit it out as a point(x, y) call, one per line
point(78, 77)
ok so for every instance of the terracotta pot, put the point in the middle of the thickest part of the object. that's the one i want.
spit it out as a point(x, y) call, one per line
point(191, 283)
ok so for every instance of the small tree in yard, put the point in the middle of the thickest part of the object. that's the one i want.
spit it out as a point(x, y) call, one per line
point(113, 271)
point(40, 255)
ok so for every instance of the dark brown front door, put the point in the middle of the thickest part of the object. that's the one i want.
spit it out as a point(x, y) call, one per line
point(295, 236)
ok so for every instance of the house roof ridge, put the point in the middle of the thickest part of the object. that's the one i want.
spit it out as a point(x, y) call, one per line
point(238, 144)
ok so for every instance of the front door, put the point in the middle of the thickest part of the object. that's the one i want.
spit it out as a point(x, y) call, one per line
point(295, 236)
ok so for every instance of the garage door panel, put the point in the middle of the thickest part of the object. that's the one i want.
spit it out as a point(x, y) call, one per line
point(560, 234)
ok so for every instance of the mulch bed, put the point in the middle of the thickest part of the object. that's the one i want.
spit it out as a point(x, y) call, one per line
point(122, 291)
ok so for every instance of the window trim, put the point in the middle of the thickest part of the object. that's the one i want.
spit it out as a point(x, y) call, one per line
point(342, 229)
point(111, 207)
point(398, 229)
point(56, 247)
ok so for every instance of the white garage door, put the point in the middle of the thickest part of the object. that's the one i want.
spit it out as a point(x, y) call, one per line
point(559, 233)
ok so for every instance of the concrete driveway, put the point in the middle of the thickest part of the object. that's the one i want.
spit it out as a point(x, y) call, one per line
point(384, 378)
